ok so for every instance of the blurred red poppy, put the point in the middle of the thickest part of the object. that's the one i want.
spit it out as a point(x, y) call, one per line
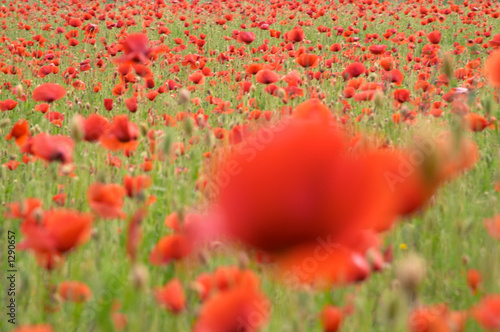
point(94, 126)
point(58, 232)
point(135, 185)
point(266, 76)
point(308, 60)
point(331, 318)
point(48, 92)
point(20, 132)
point(50, 148)
point(246, 37)
point(106, 199)
point(434, 37)
point(493, 227)
point(239, 307)
point(74, 291)
point(487, 312)
point(171, 296)
point(34, 328)
point(170, 247)
point(121, 135)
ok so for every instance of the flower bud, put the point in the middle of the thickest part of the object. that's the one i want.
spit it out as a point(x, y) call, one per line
point(188, 126)
point(410, 272)
point(143, 127)
point(379, 99)
point(448, 65)
point(184, 96)
point(139, 276)
point(77, 131)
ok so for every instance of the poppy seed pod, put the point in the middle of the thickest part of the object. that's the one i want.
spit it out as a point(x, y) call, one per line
point(448, 65)
point(76, 128)
point(184, 96)
point(378, 99)
point(139, 276)
point(410, 272)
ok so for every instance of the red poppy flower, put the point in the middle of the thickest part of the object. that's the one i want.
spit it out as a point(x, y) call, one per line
point(28, 211)
point(434, 37)
point(331, 318)
point(121, 135)
point(474, 279)
point(170, 247)
point(402, 95)
point(50, 148)
point(48, 92)
point(171, 296)
point(487, 312)
point(437, 318)
point(295, 36)
point(58, 232)
point(354, 70)
point(136, 49)
point(20, 132)
point(106, 199)
point(377, 49)
point(94, 126)
point(308, 60)
point(495, 42)
point(493, 227)
point(475, 122)
point(131, 104)
point(197, 78)
point(7, 105)
point(108, 104)
point(34, 328)
point(240, 307)
point(254, 68)
point(492, 69)
point(395, 76)
point(246, 37)
point(266, 76)
point(74, 291)
point(308, 142)
point(135, 185)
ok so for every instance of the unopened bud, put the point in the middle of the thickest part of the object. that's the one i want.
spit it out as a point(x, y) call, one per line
point(448, 65)
point(143, 127)
point(183, 96)
point(281, 93)
point(77, 131)
point(18, 90)
point(209, 140)
point(487, 105)
point(243, 260)
point(379, 99)
point(167, 144)
point(3, 172)
point(411, 272)
point(4, 123)
point(188, 126)
point(67, 169)
point(139, 276)
point(35, 130)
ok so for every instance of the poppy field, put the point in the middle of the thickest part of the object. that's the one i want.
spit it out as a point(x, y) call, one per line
point(222, 166)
